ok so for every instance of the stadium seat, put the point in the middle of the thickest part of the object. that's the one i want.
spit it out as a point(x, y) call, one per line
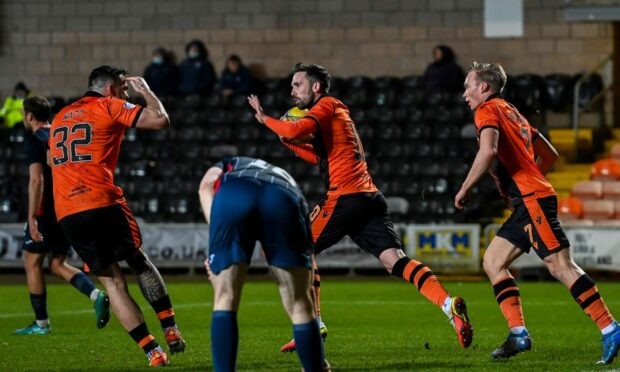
point(559, 90)
point(615, 152)
point(598, 209)
point(414, 131)
point(577, 222)
point(611, 190)
point(608, 222)
point(56, 103)
point(570, 208)
point(606, 169)
point(398, 206)
point(529, 92)
point(586, 190)
point(590, 88)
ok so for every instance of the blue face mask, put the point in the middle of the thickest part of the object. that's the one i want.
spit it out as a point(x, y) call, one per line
point(193, 54)
point(158, 60)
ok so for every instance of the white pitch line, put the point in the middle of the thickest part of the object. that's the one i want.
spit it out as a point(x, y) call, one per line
point(278, 303)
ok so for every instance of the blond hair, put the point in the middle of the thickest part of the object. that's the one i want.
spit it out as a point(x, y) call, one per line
point(490, 73)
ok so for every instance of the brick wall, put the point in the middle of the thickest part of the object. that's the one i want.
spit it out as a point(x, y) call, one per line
point(53, 45)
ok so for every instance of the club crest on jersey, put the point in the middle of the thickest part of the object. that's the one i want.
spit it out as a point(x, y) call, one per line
point(128, 105)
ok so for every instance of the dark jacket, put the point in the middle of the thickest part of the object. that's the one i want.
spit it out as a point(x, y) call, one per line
point(240, 82)
point(444, 75)
point(162, 78)
point(197, 74)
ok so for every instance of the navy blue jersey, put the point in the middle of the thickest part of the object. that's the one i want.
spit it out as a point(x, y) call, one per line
point(36, 152)
point(251, 168)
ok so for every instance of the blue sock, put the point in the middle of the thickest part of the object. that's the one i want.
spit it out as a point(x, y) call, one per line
point(224, 340)
point(309, 345)
point(39, 305)
point(82, 283)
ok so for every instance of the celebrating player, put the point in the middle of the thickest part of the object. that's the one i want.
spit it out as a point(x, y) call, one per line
point(245, 200)
point(518, 157)
point(85, 143)
point(353, 205)
point(42, 235)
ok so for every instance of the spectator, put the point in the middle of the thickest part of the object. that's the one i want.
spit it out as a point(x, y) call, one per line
point(11, 111)
point(197, 73)
point(162, 73)
point(236, 78)
point(444, 74)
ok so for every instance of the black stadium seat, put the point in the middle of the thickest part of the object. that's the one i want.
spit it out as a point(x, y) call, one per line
point(559, 90)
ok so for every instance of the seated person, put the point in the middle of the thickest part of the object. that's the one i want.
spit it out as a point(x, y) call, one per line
point(236, 78)
point(11, 111)
point(162, 74)
point(444, 74)
point(197, 75)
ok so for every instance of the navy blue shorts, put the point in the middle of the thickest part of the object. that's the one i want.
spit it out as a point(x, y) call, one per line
point(247, 210)
point(54, 240)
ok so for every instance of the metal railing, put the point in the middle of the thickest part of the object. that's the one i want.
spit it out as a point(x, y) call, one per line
point(577, 111)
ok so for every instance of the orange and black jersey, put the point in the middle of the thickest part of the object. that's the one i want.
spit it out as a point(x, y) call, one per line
point(336, 146)
point(85, 141)
point(515, 170)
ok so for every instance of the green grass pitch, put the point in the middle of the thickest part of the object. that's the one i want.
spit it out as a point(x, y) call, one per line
point(373, 325)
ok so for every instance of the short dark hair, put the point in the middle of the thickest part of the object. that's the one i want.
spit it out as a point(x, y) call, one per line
point(315, 73)
point(104, 74)
point(39, 107)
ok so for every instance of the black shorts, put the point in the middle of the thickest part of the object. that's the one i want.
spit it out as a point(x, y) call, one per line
point(534, 223)
point(54, 239)
point(103, 236)
point(363, 216)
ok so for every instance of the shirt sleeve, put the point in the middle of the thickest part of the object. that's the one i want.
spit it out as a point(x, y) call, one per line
point(486, 117)
point(292, 129)
point(304, 151)
point(124, 112)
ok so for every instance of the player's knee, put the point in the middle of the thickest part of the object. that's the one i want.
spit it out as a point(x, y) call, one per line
point(491, 265)
point(226, 299)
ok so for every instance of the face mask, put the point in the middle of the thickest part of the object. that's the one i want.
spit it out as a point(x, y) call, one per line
point(158, 60)
point(193, 54)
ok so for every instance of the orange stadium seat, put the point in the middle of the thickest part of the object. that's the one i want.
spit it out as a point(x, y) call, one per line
point(586, 190)
point(577, 222)
point(608, 222)
point(606, 169)
point(570, 208)
point(615, 152)
point(598, 209)
point(611, 190)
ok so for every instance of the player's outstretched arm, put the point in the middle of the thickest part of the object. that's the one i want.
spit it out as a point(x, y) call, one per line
point(288, 129)
point(154, 115)
point(206, 190)
point(483, 161)
point(547, 154)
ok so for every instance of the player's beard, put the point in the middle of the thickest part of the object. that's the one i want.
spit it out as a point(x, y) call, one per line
point(304, 104)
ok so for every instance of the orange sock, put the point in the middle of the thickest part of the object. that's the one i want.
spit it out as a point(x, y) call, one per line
point(509, 300)
point(422, 277)
point(586, 294)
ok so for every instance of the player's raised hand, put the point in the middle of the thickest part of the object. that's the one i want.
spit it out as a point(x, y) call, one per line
point(255, 103)
point(138, 84)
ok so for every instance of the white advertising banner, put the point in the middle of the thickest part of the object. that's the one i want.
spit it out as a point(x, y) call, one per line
point(592, 248)
point(446, 248)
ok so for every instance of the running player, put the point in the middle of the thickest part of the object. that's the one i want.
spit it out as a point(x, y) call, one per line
point(85, 143)
point(245, 200)
point(518, 157)
point(353, 205)
point(43, 236)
